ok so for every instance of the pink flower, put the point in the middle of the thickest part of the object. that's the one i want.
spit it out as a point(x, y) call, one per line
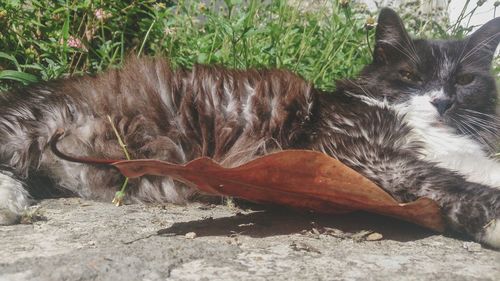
point(100, 14)
point(74, 42)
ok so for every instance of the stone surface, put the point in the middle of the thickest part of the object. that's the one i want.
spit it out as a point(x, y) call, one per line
point(74, 239)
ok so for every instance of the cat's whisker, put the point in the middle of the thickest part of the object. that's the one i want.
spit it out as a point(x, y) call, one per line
point(488, 125)
point(410, 90)
point(483, 127)
point(473, 132)
point(402, 49)
point(486, 122)
point(411, 45)
point(464, 47)
point(481, 123)
point(411, 54)
point(479, 46)
point(469, 131)
point(481, 120)
point(478, 60)
point(461, 127)
point(368, 93)
point(483, 133)
point(482, 113)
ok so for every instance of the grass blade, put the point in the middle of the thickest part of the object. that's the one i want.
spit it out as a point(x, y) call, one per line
point(18, 76)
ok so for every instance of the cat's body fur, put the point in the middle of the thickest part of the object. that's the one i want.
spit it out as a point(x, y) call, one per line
point(402, 143)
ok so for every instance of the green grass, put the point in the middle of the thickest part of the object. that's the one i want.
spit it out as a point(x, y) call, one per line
point(43, 40)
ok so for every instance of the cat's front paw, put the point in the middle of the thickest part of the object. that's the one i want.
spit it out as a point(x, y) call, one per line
point(8, 217)
point(491, 234)
point(14, 199)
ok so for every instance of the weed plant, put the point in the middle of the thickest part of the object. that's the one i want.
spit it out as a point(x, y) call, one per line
point(44, 40)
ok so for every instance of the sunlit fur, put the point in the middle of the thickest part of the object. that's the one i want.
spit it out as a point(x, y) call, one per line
point(385, 124)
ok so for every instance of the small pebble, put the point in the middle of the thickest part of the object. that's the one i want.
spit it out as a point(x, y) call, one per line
point(300, 246)
point(375, 236)
point(472, 246)
point(190, 235)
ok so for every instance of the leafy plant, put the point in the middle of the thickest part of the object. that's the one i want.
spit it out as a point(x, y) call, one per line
point(43, 40)
point(51, 39)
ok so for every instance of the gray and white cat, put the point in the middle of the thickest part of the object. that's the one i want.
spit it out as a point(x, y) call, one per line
point(419, 121)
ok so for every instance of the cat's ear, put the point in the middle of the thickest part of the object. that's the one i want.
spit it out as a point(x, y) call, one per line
point(481, 44)
point(390, 36)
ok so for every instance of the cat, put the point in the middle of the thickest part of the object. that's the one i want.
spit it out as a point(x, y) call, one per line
point(419, 121)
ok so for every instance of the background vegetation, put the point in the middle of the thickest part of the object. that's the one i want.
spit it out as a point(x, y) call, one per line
point(43, 40)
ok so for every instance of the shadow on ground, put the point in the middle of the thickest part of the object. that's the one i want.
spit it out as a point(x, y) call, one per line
point(273, 221)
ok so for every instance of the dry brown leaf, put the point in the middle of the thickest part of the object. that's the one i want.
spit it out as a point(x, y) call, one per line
point(296, 178)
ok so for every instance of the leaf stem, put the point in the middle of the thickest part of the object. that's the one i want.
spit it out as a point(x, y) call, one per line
point(119, 195)
point(120, 141)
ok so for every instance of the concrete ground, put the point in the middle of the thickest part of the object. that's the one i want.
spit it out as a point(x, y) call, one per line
point(75, 239)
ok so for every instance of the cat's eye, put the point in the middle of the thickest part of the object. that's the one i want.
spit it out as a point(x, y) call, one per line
point(408, 76)
point(465, 79)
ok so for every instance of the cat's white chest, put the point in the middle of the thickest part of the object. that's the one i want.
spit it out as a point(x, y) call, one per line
point(462, 155)
point(449, 150)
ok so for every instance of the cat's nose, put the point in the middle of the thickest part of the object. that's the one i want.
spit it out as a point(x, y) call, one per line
point(442, 104)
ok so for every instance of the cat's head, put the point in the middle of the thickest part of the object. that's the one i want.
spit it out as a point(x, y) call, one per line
point(444, 82)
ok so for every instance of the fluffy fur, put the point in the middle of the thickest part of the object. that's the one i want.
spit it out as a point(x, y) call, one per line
point(14, 198)
point(419, 121)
